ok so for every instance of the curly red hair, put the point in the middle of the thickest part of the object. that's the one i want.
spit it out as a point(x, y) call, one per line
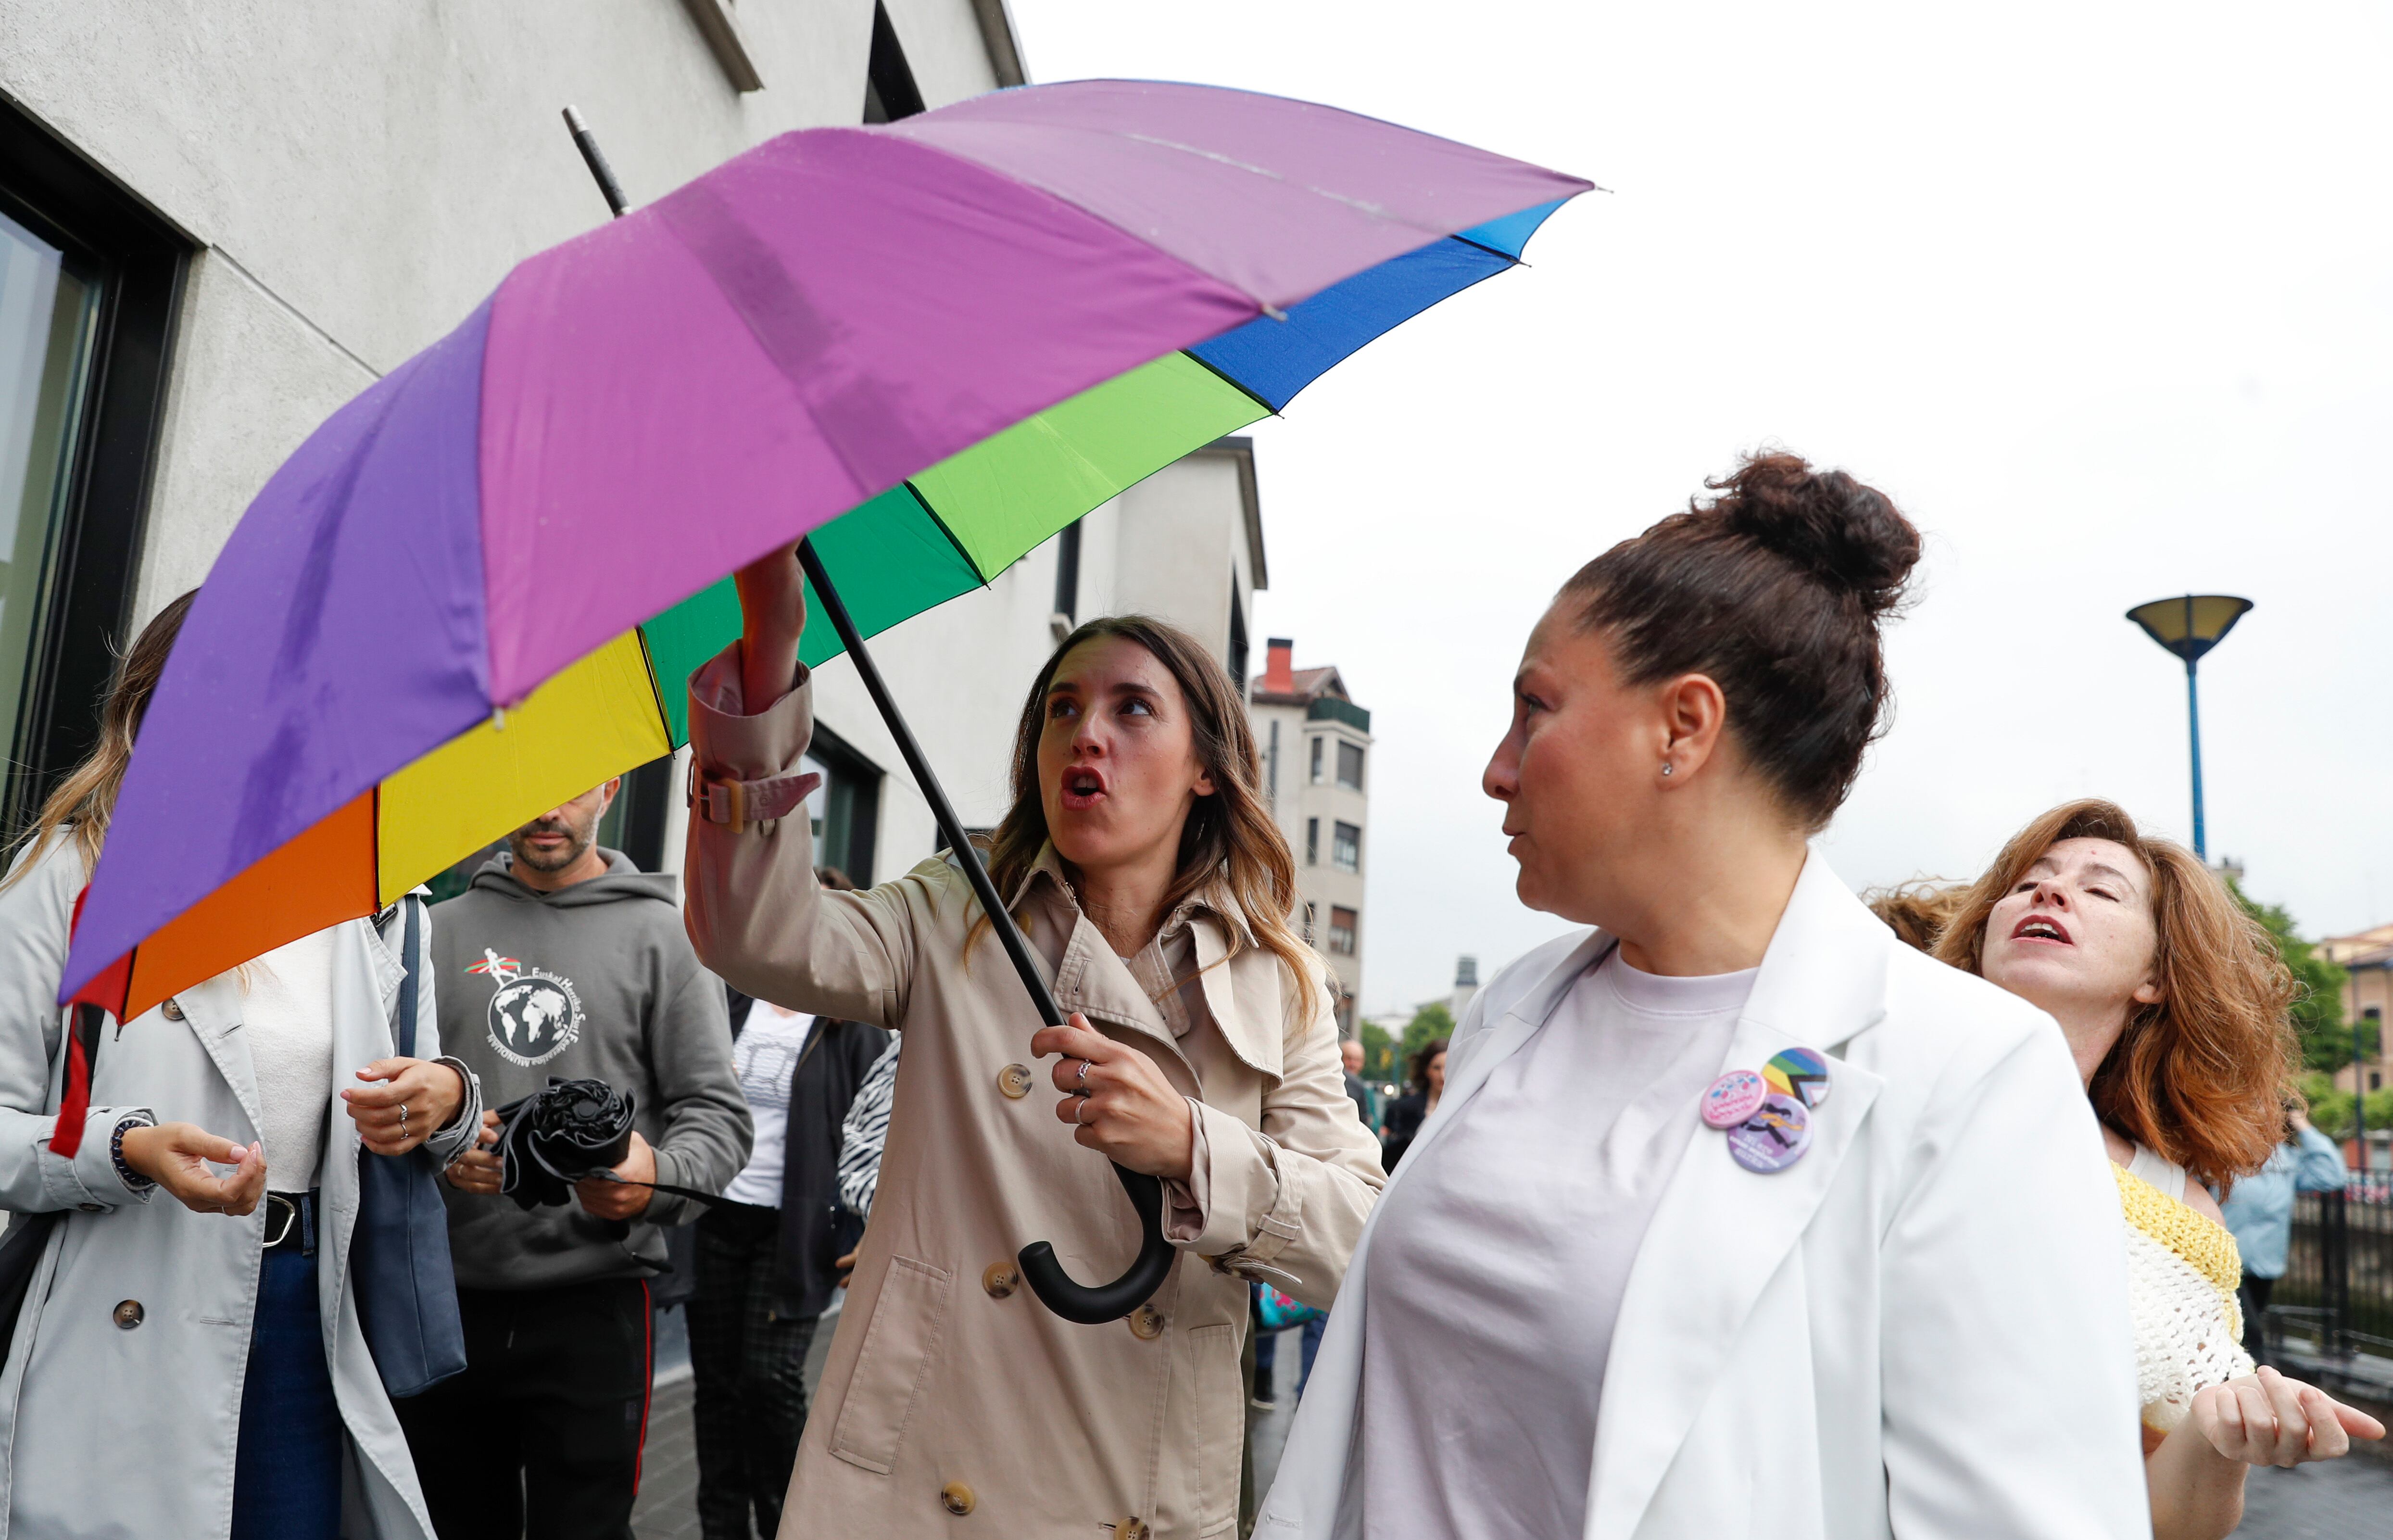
point(2202, 1075)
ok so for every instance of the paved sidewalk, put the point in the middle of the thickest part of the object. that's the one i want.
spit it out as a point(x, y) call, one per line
point(2346, 1500)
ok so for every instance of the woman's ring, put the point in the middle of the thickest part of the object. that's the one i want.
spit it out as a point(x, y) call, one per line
point(1083, 1080)
point(1081, 1108)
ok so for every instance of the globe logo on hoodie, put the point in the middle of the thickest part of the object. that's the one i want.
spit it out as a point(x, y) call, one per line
point(535, 1014)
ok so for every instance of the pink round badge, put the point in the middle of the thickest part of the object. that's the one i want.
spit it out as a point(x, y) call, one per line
point(1732, 1098)
point(1774, 1136)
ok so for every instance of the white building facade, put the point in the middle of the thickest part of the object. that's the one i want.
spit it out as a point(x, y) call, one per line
point(218, 224)
point(1316, 746)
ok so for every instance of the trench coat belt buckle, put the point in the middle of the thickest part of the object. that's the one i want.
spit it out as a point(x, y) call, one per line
point(740, 803)
point(1247, 1267)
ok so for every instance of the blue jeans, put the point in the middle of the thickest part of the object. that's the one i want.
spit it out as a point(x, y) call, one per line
point(1268, 1353)
point(286, 1482)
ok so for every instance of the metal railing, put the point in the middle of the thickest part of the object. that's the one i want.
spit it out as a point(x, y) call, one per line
point(2339, 1284)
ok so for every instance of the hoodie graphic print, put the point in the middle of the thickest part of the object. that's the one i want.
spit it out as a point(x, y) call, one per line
point(596, 982)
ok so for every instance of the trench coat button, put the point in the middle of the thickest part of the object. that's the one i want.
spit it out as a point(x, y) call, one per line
point(1000, 1279)
point(172, 1010)
point(128, 1314)
point(1132, 1528)
point(1147, 1324)
point(1015, 1082)
point(89, 1208)
point(957, 1498)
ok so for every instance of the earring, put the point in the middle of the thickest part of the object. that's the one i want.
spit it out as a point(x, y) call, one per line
point(1665, 768)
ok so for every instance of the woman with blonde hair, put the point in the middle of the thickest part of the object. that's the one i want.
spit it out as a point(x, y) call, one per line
point(1153, 886)
point(199, 1367)
point(2172, 1001)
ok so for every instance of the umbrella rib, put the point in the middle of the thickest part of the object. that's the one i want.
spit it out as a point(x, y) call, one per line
point(933, 515)
point(1230, 380)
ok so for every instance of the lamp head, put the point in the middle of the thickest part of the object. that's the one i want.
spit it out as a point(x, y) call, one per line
point(2190, 624)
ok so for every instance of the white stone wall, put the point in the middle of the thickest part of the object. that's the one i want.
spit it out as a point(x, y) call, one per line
point(360, 175)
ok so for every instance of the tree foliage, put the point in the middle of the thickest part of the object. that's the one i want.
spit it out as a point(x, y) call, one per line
point(2318, 1011)
point(1379, 1053)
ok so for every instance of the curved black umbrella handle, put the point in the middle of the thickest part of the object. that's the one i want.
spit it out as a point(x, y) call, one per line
point(1094, 1306)
point(1046, 1276)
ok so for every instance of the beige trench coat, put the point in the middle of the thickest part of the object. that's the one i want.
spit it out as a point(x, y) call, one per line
point(948, 1384)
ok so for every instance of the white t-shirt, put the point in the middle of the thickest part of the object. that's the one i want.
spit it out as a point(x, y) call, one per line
point(1499, 1260)
point(287, 1016)
point(764, 1057)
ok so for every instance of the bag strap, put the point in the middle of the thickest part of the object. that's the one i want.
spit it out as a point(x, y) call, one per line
point(412, 964)
point(84, 1026)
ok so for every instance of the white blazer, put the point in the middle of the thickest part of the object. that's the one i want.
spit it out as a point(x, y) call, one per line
point(1919, 1329)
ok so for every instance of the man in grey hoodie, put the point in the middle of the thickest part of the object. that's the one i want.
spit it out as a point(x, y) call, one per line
point(562, 959)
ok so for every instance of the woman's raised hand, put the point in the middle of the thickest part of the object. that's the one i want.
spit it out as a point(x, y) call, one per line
point(179, 1158)
point(1124, 1106)
point(772, 617)
point(2265, 1418)
point(416, 1099)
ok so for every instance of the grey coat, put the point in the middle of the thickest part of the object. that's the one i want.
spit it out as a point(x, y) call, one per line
point(110, 1431)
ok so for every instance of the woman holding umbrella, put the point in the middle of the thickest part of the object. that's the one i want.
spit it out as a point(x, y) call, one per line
point(1153, 884)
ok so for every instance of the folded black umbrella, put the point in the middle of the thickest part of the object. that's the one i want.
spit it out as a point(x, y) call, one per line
point(569, 1131)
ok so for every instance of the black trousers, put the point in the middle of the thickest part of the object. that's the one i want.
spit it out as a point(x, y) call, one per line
point(2256, 1316)
point(748, 1366)
point(540, 1438)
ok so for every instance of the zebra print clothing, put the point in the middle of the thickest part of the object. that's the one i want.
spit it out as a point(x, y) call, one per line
point(865, 1129)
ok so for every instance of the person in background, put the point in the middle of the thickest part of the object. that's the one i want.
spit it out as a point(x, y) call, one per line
point(564, 961)
point(190, 1361)
point(2258, 1212)
point(2173, 1002)
point(1916, 912)
point(862, 1135)
point(1427, 1081)
point(1366, 1104)
point(767, 1256)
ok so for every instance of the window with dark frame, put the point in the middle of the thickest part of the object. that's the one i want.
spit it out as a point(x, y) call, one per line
point(1349, 765)
point(89, 279)
point(1067, 573)
point(1346, 847)
point(1343, 923)
point(845, 812)
point(1312, 842)
point(889, 90)
point(1237, 636)
point(1316, 759)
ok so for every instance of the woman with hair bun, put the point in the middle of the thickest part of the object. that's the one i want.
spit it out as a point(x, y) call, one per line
point(2173, 1002)
point(1737, 1216)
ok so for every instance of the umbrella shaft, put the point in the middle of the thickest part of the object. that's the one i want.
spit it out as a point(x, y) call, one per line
point(950, 826)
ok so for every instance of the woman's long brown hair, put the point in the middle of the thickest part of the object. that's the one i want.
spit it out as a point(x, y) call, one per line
point(86, 799)
point(1230, 836)
point(2202, 1075)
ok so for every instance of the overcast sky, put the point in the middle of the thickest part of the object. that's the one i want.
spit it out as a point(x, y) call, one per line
point(2103, 296)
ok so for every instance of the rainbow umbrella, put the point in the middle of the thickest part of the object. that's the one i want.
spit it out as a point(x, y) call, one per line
point(477, 589)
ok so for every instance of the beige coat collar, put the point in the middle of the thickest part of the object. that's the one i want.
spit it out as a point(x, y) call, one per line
point(1242, 990)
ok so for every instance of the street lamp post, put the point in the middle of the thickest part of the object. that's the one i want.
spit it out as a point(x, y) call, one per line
point(2190, 626)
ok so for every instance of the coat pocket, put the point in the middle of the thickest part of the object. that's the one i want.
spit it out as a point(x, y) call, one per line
point(1221, 1419)
point(899, 1345)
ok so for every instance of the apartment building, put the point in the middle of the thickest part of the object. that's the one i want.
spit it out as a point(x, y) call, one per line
point(1316, 749)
